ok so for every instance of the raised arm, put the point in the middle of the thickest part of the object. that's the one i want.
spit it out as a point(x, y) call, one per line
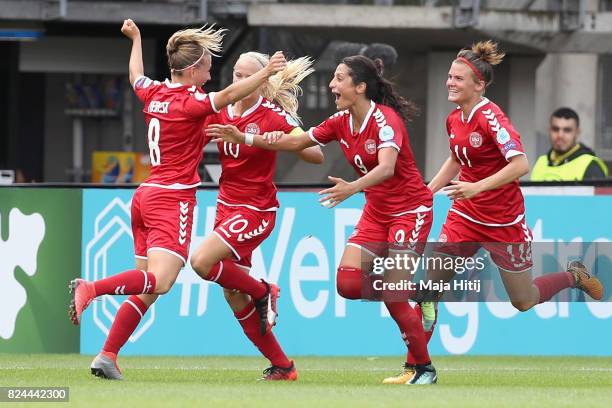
point(136, 67)
point(241, 89)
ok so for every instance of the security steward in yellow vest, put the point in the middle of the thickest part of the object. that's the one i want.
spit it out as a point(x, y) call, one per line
point(567, 159)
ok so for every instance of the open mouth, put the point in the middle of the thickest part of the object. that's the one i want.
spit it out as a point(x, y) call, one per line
point(336, 96)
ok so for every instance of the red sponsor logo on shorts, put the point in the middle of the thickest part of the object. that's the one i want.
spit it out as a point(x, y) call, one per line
point(252, 128)
point(475, 139)
point(370, 146)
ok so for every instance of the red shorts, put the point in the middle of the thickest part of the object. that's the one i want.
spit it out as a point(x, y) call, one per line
point(162, 219)
point(378, 233)
point(509, 246)
point(243, 229)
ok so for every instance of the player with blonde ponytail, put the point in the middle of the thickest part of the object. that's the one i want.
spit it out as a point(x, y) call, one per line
point(488, 208)
point(162, 207)
point(247, 204)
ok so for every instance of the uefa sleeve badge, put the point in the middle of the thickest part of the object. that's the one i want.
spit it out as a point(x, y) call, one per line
point(503, 136)
point(386, 133)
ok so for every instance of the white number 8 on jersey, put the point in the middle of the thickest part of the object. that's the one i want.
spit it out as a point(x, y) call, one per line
point(153, 136)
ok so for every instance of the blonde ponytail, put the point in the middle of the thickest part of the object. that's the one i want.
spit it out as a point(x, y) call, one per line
point(283, 88)
point(186, 48)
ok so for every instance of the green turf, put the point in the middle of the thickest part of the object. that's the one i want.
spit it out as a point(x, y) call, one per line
point(355, 382)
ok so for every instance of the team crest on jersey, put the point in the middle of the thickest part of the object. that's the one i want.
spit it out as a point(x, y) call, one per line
point(370, 146)
point(386, 133)
point(252, 128)
point(443, 238)
point(475, 139)
point(503, 136)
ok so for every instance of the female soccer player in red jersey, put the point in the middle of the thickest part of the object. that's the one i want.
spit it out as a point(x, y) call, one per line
point(488, 208)
point(162, 206)
point(247, 204)
point(370, 129)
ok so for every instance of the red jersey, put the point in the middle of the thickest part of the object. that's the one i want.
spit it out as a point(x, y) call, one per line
point(247, 172)
point(482, 145)
point(403, 193)
point(174, 114)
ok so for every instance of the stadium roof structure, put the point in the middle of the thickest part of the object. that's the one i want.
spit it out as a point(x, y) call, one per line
point(582, 26)
point(543, 30)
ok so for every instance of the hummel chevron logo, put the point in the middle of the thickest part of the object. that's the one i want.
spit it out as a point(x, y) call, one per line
point(120, 290)
point(274, 108)
point(184, 207)
point(492, 119)
point(420, 220)
point(184, 211)
point(256, 232)
point(380, 118)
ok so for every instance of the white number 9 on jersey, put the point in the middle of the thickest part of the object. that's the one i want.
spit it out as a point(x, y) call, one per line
point(359, 163)
point(153, 136)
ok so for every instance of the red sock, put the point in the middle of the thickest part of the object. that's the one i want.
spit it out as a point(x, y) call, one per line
point(133, 282)
point(267, 344)
point(553, 283)
point(412, 330)
point(229, 275)
point(410, 358)
point(127, 319)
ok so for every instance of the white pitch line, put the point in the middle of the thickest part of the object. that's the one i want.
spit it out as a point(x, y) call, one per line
point(371, 369)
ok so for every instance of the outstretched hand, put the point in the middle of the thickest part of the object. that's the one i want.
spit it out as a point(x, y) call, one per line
point(224, 133)
point(336, 194)
point(130, 29)
point(462, 190)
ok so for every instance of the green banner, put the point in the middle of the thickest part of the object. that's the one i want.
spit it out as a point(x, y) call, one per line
point(40, 251)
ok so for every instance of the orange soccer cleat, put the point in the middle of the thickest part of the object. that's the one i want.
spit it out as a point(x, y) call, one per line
point(585, 281)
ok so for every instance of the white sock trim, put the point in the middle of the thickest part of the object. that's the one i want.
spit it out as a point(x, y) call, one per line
point(128, 301)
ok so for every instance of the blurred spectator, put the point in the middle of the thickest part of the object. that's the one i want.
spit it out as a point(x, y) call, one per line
point(567, 159)
point(384, 53)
